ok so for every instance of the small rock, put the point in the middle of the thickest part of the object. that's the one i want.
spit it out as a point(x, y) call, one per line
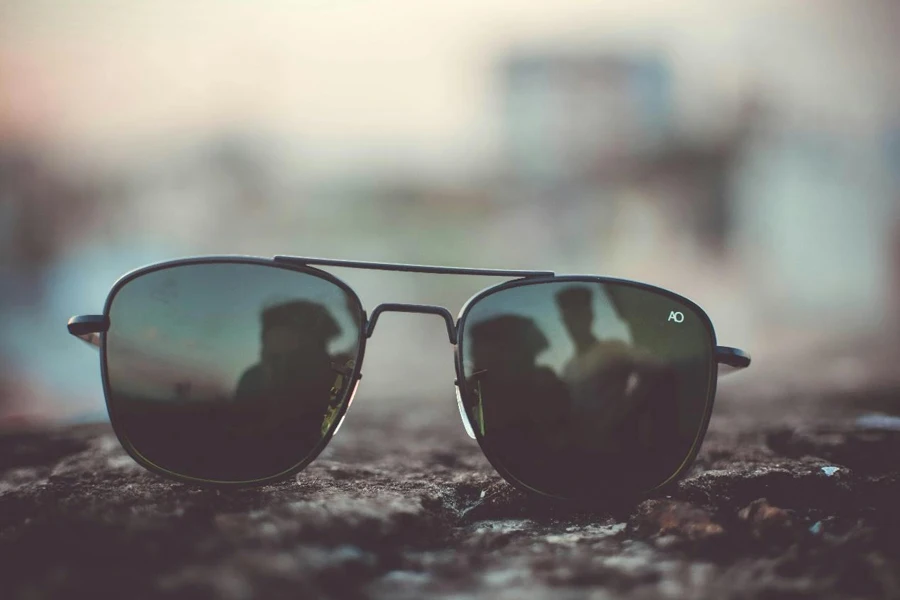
point(767, 522)
point(669, 517)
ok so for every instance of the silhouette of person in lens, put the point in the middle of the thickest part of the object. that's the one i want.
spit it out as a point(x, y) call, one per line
point(623, 404)
point(523, 407)
point(576, 306)
point(286, 395)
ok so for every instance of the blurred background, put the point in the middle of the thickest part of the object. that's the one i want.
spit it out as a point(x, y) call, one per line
point(745, 154)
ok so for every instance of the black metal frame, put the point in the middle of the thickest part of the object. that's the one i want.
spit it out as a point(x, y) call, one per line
point(93, 328)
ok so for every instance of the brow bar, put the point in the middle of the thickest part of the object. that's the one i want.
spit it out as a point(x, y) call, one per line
point(356, 264)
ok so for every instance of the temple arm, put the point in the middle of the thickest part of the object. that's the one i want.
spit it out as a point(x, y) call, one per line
point(731, 359)
point(88, 328)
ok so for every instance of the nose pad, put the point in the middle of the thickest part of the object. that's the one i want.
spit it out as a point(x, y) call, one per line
point(349, 403)
point(462, 413)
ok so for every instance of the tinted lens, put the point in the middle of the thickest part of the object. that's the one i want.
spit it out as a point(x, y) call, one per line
point(581, 389)
point(230, 372)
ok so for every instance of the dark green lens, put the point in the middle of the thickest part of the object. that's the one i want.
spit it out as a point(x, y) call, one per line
point(230, 372)
point(582, 388)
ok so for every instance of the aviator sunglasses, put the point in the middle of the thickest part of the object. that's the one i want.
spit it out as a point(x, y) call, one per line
point(235, 371)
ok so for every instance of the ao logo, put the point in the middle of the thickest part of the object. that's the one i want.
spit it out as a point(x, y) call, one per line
point(676, 316)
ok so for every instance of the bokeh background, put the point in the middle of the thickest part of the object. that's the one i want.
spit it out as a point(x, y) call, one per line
point(745, 154)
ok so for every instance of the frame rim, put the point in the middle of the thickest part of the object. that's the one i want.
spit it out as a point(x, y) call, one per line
point(609, 496)
point(123, 439)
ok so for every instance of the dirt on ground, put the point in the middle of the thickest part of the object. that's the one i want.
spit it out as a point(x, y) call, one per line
point(795, 494)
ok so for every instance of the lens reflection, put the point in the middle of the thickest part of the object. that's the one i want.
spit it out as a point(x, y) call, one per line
point(230, 371)
point(584, 388)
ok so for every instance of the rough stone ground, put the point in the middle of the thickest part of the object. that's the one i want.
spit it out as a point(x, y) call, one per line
point(793, 496)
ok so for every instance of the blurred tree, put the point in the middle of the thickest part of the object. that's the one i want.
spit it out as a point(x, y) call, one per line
point(43, 212)
point(895, 275)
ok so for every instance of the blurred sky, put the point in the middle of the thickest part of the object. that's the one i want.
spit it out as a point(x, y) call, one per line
point(361, 77)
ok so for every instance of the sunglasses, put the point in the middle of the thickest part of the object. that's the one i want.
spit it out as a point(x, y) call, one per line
point(235, 371)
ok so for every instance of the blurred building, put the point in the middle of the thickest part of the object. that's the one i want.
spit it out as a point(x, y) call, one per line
point(594, 137)
point(577, 116)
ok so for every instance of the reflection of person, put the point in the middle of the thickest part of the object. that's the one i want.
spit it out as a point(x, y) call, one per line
point(523, 407)
point(623, 399)
point(612, 357)
point(289, 389)
point(637, 309)
point(575, 305)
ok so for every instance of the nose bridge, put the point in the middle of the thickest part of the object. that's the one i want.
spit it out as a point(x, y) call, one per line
point(423, 309)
